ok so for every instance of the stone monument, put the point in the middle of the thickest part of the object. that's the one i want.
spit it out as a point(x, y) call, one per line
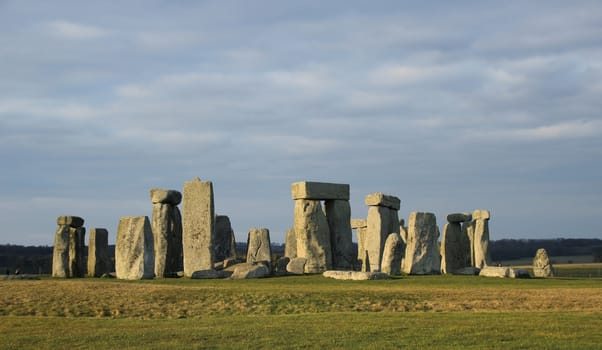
point(422, 249)
point(66, 257)
point(99, 262)
point(199, 226)
point(383, 219)
point(167, 231)
point(455, 244)
point(134, 249)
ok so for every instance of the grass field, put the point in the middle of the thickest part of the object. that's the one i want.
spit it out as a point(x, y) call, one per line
point(444, 312)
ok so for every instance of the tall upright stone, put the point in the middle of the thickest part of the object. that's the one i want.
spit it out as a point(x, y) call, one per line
point(67, 256)
point(422, 248)
point(393, 254)
point(313, 236)
point(481, 238)
point(259, 246)
point(338, 214)
point(134, 249)
point(455, 245)
point(99, 262)
point(290, 245)
point(167, 231)
point(224, 239)
point(383, 219)
point(324, 246)
point(199, 226)
point(361, 228)
point(542, 266)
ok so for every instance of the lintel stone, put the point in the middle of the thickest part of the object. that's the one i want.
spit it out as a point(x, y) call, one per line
point(172, 197)
point(459, 217)
point(319, 191)
point(73, 221)
point(383, 200)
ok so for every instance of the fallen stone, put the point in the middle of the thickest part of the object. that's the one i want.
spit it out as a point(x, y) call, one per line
point(134, 249)
point(459, 217)
point(171, 197)
point(248, 271)
point(355, 275)
point(209, 274)
point(319, 191)
point(542, 266)
point(72, 221)
point(19, 277)
point(198, 226)
point(296, 266)
point(518, 273)
point(382, 200)
point(495, 271)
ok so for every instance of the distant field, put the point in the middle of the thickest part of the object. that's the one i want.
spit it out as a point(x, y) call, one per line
point(444, 312)
point(568, 259)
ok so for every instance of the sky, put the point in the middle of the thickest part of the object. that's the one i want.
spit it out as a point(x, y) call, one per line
point(449, 105)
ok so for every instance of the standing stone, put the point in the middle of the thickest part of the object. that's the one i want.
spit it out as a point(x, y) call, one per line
point(361, 227)
point(69, 247)
point(422, 249)
point(313, 236)
point(338, 214)
point(259, 246)
point(290, 246)
point(134, 248)
point(455, 245)
point(99, 262)
point(167, 231)
point(376, 235)
point(468, 230)
point(76, 252)
point(542, 266)
point(481, 238)
point(393, 254)
point(224, 239)
point(199, 226)
point(60, 255)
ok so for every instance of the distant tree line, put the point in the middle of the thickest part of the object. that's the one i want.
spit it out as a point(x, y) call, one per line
point(510, 249)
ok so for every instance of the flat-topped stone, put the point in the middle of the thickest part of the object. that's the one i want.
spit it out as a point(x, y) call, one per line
point(481, 214)
point(359, 223)
point(159, 195)
point(383, 200)
point(355, 275)
point(319, 190)
point(459, 217)
point(73, 221)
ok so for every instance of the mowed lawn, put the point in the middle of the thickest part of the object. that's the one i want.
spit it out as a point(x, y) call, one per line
point(443, 312)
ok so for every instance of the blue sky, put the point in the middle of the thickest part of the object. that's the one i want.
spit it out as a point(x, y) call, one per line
point(451, 106)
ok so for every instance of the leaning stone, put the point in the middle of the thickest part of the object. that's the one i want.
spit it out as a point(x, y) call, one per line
point(393, 254)
point(171, 197)
point(99, 262)
point(468, 271)
point(290, 246)
point(134, 249)
point(355, 275)
point(259, 246)
point(199, 225)
point(382, 200)
point(248, 271)
point(296, 266)
point(313, 236)
point(338, 215)
point(495, 271)
point(542, 266)
point(319, 191)
point(73, 221)
point(459, 217)
point(209, 274)
point(422, 247)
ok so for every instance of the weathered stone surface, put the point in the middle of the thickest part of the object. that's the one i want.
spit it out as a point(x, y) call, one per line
point(60, 255)
point(280, 266)
point(313, 236)
point(359, 223)
point(379, 219)
point(199, 226)
point(76, 252)
point(481, 238)
point(296, 266)
point(247, 271)
point(455, 248)
point(495, 271)
point(355, 275)
point(338, 215)
point(422, 248)
point(362, 252)
point(393, 254)
point(134, 248)
point(319, 191)
point(224, 240)
point(459, 217)
point(167, 233)
point(468, 231)
point(171, 197)
point(73, 221)
point(290, 246)
point(99, 262)
point(210, 274)
point(383, 200)
point(542, 266)
point(259, 246)
point(470, 271)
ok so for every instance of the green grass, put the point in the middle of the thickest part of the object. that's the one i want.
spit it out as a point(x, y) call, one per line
point(443, 312)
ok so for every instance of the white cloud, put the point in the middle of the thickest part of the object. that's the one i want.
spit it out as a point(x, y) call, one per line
point(72, 30)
